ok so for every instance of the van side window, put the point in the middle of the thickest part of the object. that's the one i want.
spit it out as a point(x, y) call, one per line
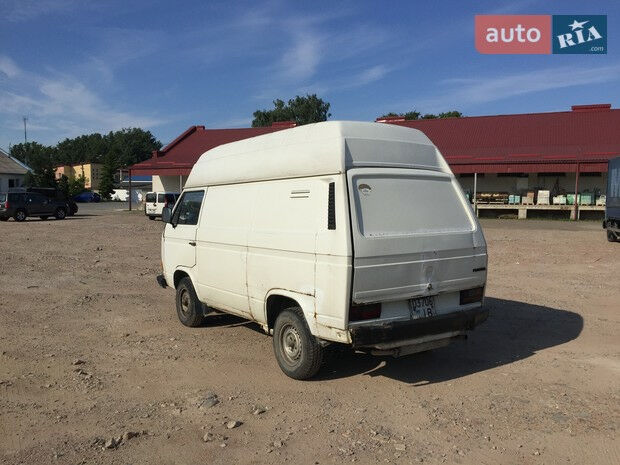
point(188, 208)
point(161, 198)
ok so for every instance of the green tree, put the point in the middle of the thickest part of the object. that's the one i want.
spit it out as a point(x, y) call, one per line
point(106, 184)
point(63, 185)
point(40, 159)
point(301, 110)
point(77, 185)
point(413, 115)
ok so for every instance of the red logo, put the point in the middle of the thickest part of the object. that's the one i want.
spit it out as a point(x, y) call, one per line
point(510, 34)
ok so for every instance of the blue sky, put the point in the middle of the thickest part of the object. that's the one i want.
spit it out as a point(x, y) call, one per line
point(80, 66)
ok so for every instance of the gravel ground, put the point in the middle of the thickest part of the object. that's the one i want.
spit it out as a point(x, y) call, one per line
point(95, 368)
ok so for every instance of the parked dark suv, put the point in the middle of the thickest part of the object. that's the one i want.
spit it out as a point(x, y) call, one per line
point(20, 205)
point(56, 194)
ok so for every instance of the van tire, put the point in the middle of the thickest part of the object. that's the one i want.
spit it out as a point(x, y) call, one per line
point(611, 236)
point(60, 213)
point(297, 351)
point(189, 308)
point(151, 217)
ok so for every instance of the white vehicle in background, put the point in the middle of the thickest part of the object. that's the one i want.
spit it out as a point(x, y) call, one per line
point(155, 202)
point(336, 232)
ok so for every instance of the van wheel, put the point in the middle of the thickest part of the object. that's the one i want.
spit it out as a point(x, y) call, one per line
point(611, 236)
point(151, 217)
point(189, 308)
point(60, 214)
point(20, 215)
point(297, 351)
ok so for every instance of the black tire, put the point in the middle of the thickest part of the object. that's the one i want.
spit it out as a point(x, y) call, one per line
point(20, 215)
point(60, 213)
point(189, 308)
point(44, 217)
point(611, 236)
point(151, 217)
point(297, 351)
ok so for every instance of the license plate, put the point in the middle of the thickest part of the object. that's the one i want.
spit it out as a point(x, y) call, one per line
point(422, 307)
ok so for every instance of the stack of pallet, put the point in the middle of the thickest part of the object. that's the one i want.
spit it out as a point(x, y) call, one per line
point(559, 200)
point(543, 198)
point(528, 199)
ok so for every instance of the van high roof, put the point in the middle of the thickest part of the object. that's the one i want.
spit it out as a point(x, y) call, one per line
point(316, 149)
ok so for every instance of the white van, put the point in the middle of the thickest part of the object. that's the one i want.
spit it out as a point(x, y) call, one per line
point(155, 202)
point(336, 232)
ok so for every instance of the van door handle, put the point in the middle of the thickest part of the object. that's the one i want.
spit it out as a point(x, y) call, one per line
point(192, 243)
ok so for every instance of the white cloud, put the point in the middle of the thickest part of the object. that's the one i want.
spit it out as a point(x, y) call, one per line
point(301, 60)
point(61, 106)
point(24, 10)
point(472, 91)
point(8, 67)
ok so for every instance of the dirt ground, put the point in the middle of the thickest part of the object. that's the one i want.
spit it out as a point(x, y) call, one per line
point(91, 350)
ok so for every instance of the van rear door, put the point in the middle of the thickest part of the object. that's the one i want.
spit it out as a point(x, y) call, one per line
point(413, 234)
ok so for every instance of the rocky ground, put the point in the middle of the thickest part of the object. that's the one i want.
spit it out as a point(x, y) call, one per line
point(95, 368)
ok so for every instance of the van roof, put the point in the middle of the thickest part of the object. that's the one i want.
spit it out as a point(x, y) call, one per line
point(316, 149)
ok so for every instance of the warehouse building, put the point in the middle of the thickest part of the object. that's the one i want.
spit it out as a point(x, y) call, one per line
point(499, 160)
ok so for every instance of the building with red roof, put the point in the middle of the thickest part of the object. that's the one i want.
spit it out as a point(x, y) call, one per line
point(508, 153)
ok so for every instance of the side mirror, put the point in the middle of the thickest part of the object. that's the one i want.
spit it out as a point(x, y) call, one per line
point(166, 215)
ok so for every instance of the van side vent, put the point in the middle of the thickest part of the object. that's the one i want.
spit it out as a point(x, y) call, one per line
point(331, 206)
point(300, 194)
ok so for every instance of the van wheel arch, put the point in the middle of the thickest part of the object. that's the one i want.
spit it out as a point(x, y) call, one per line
point(275, 304)
point(178, 276)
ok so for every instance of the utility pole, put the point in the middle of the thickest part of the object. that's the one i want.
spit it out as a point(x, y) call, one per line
point(25, 133)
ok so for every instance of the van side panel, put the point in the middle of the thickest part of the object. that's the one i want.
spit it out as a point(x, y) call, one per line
point(221, 248)
point(282, 239)
point(333, 264)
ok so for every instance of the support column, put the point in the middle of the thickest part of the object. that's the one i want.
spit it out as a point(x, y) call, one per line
point(129, 190)
point(574, 214)
point(475, 192)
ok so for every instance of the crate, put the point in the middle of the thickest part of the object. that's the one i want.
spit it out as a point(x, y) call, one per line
point(543, 198)
point(514, 199)
point(601, 200)
point(559, 200)
point(528, 199)
point(570, 199)
point(586, 199)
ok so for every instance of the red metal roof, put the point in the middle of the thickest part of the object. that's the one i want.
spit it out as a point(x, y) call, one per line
point(588, 136)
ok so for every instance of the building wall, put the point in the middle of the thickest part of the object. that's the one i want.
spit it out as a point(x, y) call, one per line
point(168, 183)
point(91, 172)
point(8, 181)
point(491, 182)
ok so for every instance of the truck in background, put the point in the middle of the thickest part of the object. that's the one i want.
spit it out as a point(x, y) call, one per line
point(612, 209)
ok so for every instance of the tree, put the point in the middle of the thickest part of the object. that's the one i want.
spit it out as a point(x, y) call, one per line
point(77, 185)
point(106, 185)
point(301, 110)
point(40, 159)
point(413, 115)
point(63, 185)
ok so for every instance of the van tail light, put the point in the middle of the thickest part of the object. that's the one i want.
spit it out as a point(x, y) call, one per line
point(364, 312)
point(6, 205)
point(470, 296)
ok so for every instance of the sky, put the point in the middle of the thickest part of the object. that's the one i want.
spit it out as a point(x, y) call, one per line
point(75, 67)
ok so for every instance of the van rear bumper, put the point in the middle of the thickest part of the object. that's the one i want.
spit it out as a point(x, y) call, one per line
point(373, 334)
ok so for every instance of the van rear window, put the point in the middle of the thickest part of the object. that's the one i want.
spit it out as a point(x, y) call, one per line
point(395, 205)
point(2, 197)
point(150, 197)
